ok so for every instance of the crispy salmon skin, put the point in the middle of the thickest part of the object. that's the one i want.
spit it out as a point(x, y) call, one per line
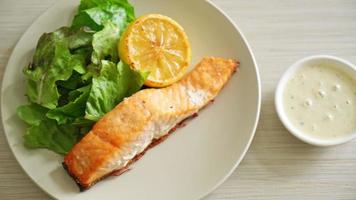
point(125, 133)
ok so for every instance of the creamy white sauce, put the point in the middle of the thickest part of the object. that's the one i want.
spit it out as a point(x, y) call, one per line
point(321, 100)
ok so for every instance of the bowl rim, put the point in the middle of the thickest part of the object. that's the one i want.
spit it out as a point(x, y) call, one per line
point(278, 101)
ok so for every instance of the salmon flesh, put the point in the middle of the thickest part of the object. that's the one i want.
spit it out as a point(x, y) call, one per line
point(142, 120)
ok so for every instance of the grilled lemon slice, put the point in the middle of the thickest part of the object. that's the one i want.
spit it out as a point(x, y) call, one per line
point(159, 45)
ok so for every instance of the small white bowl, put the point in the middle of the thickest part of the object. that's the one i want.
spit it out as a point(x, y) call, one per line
point(337, 62)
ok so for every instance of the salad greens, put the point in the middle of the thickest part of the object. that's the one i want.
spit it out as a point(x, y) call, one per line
point(105, 43)
point(76, 76)
point(119, 80)
point(96, 13)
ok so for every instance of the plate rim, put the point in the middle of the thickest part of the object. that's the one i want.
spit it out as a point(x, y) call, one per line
point(257, 117)
point(255, 124)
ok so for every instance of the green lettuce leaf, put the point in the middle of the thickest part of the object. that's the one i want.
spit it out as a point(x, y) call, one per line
point(74, 78)
point(105, 44)
point(114, 83)
point(86, 4)
point(53, 62)
point(81, 58)
point(42, 88)
point(72, 110)
point(72, 83)
point(32, 114)
point(46, 47)
point(92, 70)
point(96, 13)
point(81, 38)
point(48, 134)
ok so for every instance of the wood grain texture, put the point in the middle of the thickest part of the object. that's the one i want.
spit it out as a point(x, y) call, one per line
point(277, 166)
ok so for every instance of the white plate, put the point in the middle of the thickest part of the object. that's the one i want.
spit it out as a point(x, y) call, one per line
point(196, 158)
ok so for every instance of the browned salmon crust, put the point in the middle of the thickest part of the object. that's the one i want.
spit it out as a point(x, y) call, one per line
point(88, 161)
point(136, 158)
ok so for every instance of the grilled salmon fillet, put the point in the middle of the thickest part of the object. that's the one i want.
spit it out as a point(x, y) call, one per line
point(126, 132)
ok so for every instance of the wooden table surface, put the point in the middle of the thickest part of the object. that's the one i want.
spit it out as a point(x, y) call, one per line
point(277, 165)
